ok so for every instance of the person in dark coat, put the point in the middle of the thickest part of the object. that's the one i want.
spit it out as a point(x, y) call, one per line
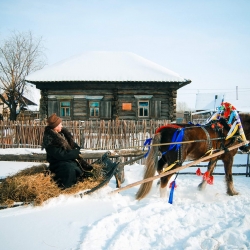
point(63, 154)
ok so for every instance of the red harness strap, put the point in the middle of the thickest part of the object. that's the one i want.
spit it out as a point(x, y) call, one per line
point(167, 126)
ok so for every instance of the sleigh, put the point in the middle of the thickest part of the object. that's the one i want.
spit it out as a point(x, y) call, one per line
point(35, 185)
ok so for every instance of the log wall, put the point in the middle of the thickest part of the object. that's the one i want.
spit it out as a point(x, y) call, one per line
point(162, 103)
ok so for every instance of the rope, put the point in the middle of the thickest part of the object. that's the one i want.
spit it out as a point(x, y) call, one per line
point(184, 142)
point(167, 143)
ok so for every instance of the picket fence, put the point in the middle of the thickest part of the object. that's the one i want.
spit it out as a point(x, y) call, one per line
point(95, 135)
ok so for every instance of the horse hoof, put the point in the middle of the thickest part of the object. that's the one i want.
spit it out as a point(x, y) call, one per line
point(232, 193)
point(244, 149)
point(201, 186)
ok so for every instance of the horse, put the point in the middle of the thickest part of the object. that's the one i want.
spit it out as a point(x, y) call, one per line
point(203, 139)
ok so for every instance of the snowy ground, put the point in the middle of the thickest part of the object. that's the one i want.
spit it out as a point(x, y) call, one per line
point(195, 220)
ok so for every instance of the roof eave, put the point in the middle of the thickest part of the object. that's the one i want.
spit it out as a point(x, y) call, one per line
point(181, 83)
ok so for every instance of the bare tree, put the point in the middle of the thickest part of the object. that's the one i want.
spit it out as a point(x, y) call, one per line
point(181, 109)
point(182, 106)
point(20, 55)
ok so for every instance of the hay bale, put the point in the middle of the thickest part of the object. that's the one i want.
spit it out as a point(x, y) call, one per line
point(36, 185)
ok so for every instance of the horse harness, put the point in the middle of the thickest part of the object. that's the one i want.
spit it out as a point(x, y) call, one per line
point(218, 127)
point(209, 143)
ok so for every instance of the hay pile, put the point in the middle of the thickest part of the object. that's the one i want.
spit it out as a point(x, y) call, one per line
point(35, 185)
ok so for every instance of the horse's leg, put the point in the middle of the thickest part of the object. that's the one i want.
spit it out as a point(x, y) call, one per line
point(163, 180)
point(228, 164)
point(160, 165)
point(164, 183)
point(210, 169)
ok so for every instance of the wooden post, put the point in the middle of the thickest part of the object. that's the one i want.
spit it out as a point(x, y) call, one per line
point(248, 167)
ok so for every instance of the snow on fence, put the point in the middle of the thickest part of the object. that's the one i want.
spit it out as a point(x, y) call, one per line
point(95, 135)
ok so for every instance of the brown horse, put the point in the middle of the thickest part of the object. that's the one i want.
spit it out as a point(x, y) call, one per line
point(204, 138)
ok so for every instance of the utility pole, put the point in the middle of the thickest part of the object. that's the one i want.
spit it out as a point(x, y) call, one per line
point(215, 98)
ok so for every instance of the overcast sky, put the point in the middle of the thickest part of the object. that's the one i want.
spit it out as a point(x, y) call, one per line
point(205, 41)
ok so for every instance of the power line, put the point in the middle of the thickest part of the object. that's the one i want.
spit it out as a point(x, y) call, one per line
point(219, 89)
point(213, 91)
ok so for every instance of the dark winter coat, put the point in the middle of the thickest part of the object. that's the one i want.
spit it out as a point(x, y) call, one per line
point(62, 153)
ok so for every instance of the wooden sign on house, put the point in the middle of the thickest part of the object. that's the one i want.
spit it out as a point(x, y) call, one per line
point(106, 86)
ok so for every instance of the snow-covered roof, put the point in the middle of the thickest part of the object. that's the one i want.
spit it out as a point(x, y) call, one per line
point(105, 66)
point(32, 93)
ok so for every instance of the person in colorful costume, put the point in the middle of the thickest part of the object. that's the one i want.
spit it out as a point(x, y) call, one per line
point(229, 112)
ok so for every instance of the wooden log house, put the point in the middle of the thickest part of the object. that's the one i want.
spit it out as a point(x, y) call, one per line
point(107, 86)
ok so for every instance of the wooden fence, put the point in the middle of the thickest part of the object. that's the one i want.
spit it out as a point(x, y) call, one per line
point(96, 135)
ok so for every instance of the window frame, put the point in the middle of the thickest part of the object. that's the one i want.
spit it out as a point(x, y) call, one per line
point(139, 109)
point(67, 115)
point(95, 108)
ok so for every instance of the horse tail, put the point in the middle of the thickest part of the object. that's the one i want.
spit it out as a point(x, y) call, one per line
point(150, 168)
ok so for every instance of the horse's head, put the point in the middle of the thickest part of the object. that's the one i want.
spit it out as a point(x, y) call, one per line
point(220, 126)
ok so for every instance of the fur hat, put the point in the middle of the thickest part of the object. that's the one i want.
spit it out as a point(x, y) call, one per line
point(53, 121)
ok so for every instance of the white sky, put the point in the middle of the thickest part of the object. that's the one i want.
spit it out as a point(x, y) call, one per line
point(205, 41)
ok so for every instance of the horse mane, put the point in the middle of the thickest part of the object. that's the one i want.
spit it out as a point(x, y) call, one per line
point(223, 122)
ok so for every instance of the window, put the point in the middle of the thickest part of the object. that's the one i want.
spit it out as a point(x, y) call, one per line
point(94, 109)
point(64, 109)
point(143, 108)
